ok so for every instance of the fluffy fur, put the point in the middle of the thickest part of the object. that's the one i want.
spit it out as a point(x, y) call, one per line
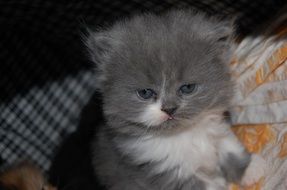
point(143, 147)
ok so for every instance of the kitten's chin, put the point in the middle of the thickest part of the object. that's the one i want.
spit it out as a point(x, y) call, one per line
point(169, 123)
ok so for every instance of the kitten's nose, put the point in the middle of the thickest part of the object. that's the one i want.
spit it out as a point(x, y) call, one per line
point(169, 111)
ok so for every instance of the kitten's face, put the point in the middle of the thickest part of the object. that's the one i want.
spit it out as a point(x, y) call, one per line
point(158, 79)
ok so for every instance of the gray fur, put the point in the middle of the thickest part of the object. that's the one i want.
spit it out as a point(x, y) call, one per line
point(234, 167)
point(144, 52)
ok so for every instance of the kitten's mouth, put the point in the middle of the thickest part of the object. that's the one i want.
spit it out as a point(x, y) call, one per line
point(167, 117)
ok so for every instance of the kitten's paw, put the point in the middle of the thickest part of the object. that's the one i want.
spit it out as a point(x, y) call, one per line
point(256, 170)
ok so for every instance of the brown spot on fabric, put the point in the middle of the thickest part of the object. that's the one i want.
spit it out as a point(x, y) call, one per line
point(24, 176)
point(283, 147)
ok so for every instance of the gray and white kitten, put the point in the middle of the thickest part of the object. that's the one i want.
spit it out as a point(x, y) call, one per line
point(165, 84)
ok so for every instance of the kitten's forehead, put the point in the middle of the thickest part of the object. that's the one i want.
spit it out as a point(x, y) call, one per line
point(170, 62)
point(172, 47)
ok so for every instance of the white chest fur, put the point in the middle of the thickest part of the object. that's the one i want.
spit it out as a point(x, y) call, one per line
point(187, 151)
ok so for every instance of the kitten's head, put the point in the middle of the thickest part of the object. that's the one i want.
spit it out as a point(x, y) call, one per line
point(157, 71)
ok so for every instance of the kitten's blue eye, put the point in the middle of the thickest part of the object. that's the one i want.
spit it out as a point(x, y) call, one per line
point(187, 89)
point(146, 93)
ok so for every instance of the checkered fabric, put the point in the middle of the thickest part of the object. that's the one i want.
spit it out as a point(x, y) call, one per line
point(45, 77)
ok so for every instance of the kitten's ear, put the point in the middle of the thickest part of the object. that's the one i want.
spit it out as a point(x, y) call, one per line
point(224, 31)
point(224, 34)
point(100, 46)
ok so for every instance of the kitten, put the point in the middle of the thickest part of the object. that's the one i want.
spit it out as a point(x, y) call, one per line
point(165, 84)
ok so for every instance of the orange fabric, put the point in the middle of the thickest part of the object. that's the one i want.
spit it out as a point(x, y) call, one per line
point(254, 137)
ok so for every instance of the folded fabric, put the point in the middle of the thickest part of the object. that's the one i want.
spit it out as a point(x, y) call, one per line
point(260, 105)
